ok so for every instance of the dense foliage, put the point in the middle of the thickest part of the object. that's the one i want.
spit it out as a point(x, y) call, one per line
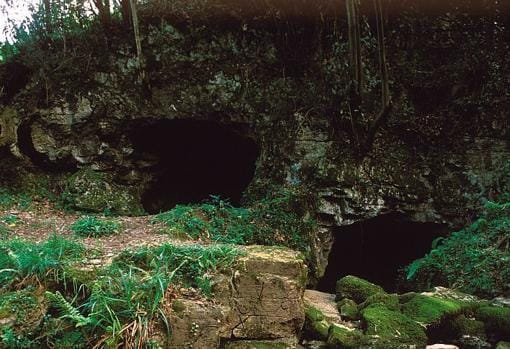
point(475, 259)
point(273, 220)
point(109, 306)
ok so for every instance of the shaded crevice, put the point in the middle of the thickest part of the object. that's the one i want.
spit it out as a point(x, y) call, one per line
point(376, 249)
point(187, 161)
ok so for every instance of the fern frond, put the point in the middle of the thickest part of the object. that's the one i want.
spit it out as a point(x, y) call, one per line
point(68, 311)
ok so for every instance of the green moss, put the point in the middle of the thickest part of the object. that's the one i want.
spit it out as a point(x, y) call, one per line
point(320, 329)
point(313, 314)
point(356, 289)
point(503, 345)
point(388, 326)
point(341, 337)
point(430, 310)
point(22, 310)
point(461, 325)
point(316, 323)
point(178, 307)
point(92, 191)
point(348, 309)
point(496, 320)
point(391, 301)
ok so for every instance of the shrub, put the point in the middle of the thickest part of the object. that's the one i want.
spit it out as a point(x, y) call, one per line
point(274, 220)
point(475, 259)
point(91, 226)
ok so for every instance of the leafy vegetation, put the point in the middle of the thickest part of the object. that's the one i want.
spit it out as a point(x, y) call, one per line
point(92, 226)
point(20, 259)
point(274, 220)
point(475, 259)
point(117, 306)
point(11, 199)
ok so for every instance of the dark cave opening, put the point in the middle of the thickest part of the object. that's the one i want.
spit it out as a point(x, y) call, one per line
point(376, 249)
point(192, 160)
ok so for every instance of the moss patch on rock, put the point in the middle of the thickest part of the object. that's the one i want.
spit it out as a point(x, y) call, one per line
point(430, 310)
point(91, 191)
point(22, 311)
point(496, 320)
point(348, 309)
point(390, 301)
point(462, 325)
point(391, 327)
point(316, 324)
point(342, 337)
point(356, 289)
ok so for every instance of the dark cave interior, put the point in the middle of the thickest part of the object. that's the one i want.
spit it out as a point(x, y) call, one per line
point(193, 160)
point(376, 249)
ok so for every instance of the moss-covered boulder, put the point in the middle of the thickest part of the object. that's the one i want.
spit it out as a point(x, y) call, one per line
point(496, 320)
point(91, 191)
point(21, 313)
point(357, 289)
point(316, 324)
point(461, 325)
point(345, 338)
point(390, 301)
point(348, 309)
point(391, 329)
point(430, 310)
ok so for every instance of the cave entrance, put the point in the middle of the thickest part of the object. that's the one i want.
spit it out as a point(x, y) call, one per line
point(375, 249)
point(189, 161)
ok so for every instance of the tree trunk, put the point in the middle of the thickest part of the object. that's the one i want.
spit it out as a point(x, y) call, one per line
point(47, 16)
point(138, 40)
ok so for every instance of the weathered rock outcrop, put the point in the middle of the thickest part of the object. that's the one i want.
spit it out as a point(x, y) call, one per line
point(443, 152)
point(256, 304)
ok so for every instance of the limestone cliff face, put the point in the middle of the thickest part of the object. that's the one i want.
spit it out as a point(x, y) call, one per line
point(284, 85)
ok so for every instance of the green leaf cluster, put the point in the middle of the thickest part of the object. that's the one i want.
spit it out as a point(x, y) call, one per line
point(475, 259)
point(273, 220)
point(92, 226)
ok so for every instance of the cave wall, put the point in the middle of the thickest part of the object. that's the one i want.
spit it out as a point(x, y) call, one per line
point(284, 84)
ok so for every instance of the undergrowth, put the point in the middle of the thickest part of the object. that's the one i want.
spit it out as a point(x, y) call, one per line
point(475, 259)
point(20, 259)
point(92, 226)
point(274, 220)
point(117, 306)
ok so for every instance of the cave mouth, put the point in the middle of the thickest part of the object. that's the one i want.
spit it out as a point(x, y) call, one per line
point(188, 161)
point(376, 249)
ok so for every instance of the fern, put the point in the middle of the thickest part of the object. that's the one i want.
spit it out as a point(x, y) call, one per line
point(67, 309)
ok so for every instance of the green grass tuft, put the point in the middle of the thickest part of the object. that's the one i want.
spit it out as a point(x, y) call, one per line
point(91, 226)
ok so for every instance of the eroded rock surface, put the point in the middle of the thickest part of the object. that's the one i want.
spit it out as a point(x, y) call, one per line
point(258, 303)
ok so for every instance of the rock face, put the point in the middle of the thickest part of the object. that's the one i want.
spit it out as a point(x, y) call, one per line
point(256, 304)
point(443, 151)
